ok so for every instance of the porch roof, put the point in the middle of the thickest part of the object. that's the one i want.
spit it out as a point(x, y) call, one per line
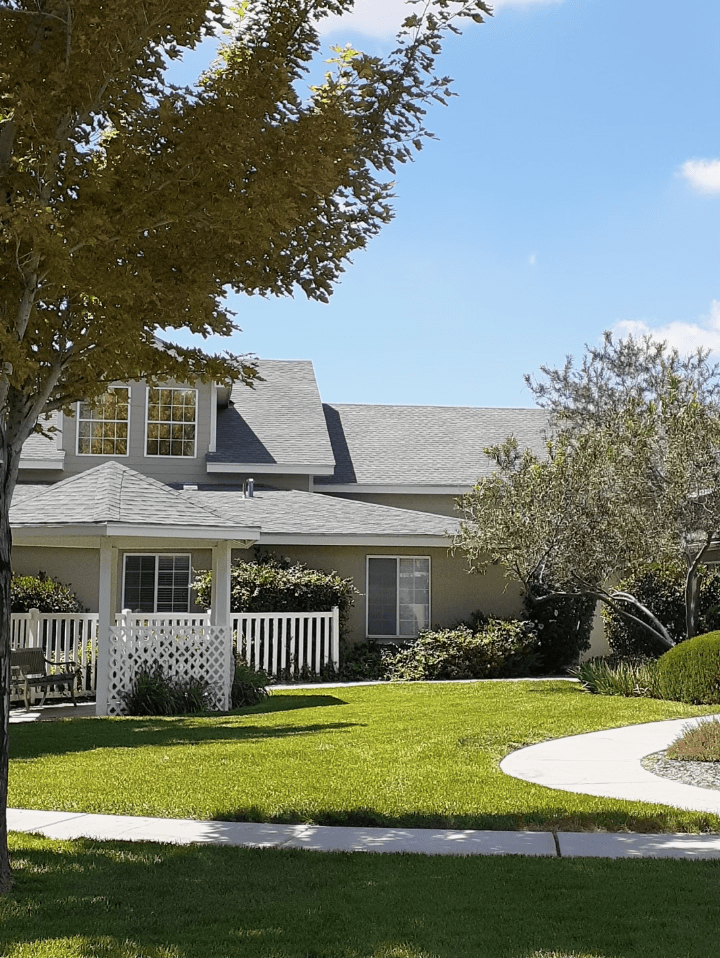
point(112, 499)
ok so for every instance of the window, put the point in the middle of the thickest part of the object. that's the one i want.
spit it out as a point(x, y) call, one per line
point(171, 422)
point(398, 596)
point(156, 583)
point(103, 424)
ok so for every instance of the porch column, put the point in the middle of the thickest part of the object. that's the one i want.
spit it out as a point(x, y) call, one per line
point(220, 607)
point(106, 618)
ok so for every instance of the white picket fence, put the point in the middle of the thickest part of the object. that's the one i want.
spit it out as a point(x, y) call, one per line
point(279, 643)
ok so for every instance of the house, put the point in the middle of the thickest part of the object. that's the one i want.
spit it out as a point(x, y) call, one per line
point(129, 497)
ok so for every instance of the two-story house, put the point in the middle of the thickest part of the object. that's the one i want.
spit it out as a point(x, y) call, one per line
point(153, 483)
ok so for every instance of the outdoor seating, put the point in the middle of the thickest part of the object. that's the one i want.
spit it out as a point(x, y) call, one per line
point(29, 669)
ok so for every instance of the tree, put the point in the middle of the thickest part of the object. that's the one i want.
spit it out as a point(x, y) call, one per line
point(128, 204)
point(631, 476)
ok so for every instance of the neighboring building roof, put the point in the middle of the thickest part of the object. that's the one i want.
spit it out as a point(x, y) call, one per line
point(41, 452)
point(422, 446)
point(276, 426)
point(286, 515)
point(113, 495)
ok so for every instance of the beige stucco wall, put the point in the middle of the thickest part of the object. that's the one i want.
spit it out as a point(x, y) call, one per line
point(78, 568)
point(454, 593)
point(439, 505)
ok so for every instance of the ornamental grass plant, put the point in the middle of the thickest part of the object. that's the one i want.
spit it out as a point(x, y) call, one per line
point(697, 743)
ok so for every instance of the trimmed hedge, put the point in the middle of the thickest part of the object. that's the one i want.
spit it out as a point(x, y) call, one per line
point(272, 583)
point(563, 625)
point(499, 650)
point(690, 672)
point(42, 593)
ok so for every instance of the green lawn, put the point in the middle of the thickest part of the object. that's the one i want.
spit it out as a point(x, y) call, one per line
point(87, 899)
point(408, 754)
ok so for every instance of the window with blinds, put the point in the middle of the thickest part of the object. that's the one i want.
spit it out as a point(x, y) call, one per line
point(156, 583)
point(398, 596)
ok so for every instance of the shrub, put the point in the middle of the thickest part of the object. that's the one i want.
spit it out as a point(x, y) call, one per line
point(662, 590)
point(563, 625)
point(366, 661)
point(272, 583)
point(249, 687)
point(500, 650)
point(690, 672)
point(42, 593)
point(614, 676)
point(697, 743)
point(155, 693)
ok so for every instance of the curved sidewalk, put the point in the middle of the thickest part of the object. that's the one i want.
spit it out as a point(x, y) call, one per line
point(605, 763)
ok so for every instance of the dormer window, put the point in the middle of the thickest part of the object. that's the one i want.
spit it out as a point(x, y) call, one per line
point(103, 424)
point(171, 422)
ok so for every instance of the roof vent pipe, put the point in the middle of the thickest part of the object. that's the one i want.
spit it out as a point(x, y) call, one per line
point(250, 488)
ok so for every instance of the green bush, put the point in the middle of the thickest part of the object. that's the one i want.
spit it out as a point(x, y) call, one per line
point(500, 650)
point(271, 583)
point(366, 661)
point(662, 590)
point(690, 672)
point(697, 743)
point(563, 625)
point(249, 687)
point(42, 593)
point(613, 676)
point(155, 693)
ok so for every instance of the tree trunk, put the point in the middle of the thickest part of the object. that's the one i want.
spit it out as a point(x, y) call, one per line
point(8, 472)
point(692, 590)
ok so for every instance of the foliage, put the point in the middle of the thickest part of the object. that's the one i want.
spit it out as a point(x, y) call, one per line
point(249, 686)
point(563, 625)
point(662, 589)
point(630, 475)
point(697, 743)
point(42, 593)
point(365, 661)
point(154, 693)
point(616, 676)
point(691, 671)
point(272, 583)
point(501, 649)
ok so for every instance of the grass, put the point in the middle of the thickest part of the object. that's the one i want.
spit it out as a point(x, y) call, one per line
point(417, 755)
point(114, 900)
point(697, 743)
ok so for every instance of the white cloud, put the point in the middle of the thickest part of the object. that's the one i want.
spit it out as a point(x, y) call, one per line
point(704, 175)
point(686, 337)
point(382, 18)
point(532, 259)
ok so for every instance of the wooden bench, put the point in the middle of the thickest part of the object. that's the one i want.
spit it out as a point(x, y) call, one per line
point(29, 669)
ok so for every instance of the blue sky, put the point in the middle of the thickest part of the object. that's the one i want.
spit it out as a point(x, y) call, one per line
point(574, 187)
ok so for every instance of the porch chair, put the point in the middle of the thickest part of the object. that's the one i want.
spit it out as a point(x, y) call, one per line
point(29, 670)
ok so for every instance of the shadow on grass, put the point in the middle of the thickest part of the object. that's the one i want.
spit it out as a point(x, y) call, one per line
point(37, 739)
point(86, 898)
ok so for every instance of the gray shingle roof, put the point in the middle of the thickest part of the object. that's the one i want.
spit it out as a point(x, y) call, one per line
point(38, 448)
point(291, 512)
point(423, 445)
point(112, 493)
point(280, 421)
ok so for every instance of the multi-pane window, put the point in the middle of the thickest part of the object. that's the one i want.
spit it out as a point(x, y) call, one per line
point(398, 596)
point(156, 583)
point(171, 417)
point(103, 424)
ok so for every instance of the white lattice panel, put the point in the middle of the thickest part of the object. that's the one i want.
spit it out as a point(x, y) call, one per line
point(201, 651)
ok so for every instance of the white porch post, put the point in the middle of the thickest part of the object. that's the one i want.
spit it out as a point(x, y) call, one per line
point(106, 610)
point(220, 607)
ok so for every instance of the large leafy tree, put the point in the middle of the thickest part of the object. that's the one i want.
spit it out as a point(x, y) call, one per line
point(631, 477)
point(129, 204)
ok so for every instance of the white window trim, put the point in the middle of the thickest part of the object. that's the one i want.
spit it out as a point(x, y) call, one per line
point(147, 422)
point(108, 455)
point(155, 556)
point(391, 638)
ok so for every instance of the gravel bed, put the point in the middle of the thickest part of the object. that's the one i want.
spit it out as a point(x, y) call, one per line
point(704, 774)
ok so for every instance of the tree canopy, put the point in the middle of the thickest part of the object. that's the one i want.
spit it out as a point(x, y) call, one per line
point(631, 477)
point(130, 204)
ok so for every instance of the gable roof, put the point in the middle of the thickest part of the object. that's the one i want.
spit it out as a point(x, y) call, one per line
point(278, 426)
point(422, 446)
point(287, 516)
point(113, 498)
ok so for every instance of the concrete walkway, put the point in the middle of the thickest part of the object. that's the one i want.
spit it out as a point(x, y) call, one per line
point(603, 763)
